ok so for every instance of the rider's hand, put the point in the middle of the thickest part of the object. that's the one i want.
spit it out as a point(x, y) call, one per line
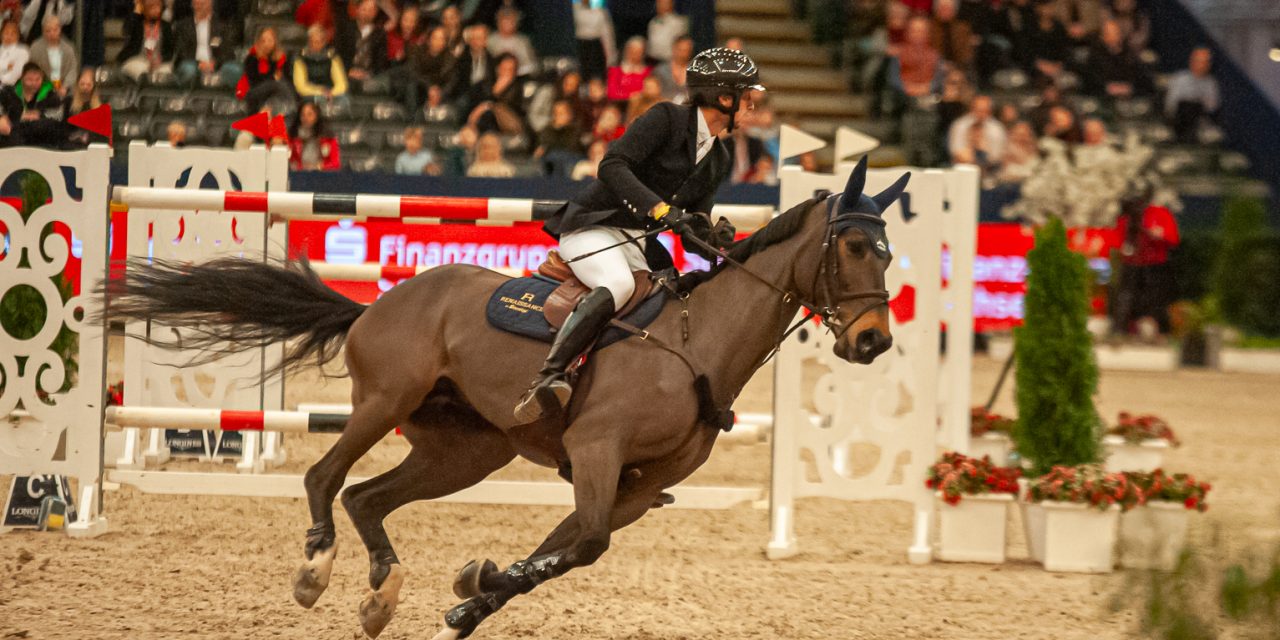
point(675, 218)
point(723, 234)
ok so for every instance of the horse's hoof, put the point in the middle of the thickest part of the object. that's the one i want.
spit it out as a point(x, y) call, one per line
point(378, 606)
point(467, 584)
point(448, 633)
point(312, 577)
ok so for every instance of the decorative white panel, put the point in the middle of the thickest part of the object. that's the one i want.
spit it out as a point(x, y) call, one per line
point(960, 239)
point(47, 430)
point(154, 376)
point(878, 423)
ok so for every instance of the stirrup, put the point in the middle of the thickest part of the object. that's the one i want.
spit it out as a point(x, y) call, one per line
point(544, 400)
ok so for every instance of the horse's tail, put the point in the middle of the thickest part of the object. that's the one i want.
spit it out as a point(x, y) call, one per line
point(230, 305)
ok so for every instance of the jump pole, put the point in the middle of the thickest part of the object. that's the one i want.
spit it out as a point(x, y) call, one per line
point(295, 205)
point(372, 272)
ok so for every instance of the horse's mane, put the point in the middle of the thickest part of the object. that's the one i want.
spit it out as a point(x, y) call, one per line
point(777, 230)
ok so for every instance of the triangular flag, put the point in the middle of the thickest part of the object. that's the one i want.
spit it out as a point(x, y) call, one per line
point(794, 142)
point(278, 129)
point(850, 142)
point(97, 120)
point(259, 124)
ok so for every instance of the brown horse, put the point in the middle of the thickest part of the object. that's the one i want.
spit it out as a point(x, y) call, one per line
point(422, 357)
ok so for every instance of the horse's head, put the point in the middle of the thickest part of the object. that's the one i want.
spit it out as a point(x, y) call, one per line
point(852, 276)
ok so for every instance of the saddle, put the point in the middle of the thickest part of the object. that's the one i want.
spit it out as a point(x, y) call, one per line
point(565, 297)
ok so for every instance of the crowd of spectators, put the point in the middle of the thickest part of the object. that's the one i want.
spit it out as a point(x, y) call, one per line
point(929, 66)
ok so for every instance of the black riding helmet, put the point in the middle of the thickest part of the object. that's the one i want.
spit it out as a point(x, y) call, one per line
point(721, 72)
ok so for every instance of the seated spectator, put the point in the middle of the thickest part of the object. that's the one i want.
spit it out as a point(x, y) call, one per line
point(1008, 114)
point(415, 160)
point(991, 136)
point(1050, 98)
point(569, 89)
point(176, 134)
point(608, 126)
point(37, 10)
point(13, 54)
point(649, 95)
point(597, 100)
point(489, 162)
point(362, 44)
point(953, 103)
point(764, 172)
point(437, 110)
point(593, 28)
point(311, 146)
point(205, 45)
point(149, 41)
point(431, 65)
point(31, 111)
point(83, 97)
point(475, 67)
point(734, 43)
point(1094, 133)
point(744, 152)
point(586, 169)
point(671, 72)
point(1048, 45)
point(1015, 23)
point(317, 71)
point(1134, 25)
point(863, 49)
point(1192, 95)
point(1063, 126)
point(56, 56)
point(952, 36)
point(918, 71)
point(460, 151)
point(511, 42)
point(1020, 154)
point(626, 79)
point(500, 107)
point(264, 73)
point(407, 34)
point(560, 144)
point(1112, 69)
point(1082, 19)
point(664, 28)
point(451, 20)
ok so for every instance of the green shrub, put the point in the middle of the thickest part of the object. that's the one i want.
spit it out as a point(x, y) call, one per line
point(1056, 373)
point(1247, 269)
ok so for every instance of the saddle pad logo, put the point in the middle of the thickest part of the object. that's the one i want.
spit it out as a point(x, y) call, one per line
point(528, 302)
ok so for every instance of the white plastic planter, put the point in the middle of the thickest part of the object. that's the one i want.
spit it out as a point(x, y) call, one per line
point(1033, 523)
point(1143, 456)
point(994, 444)
point(973, 530)
point(1079, 538)
point(1152, 536)
point(1249, 360)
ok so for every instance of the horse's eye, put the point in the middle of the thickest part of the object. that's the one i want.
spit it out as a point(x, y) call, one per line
point(856, 246)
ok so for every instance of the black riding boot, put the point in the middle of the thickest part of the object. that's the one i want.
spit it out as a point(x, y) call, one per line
point(550, 391)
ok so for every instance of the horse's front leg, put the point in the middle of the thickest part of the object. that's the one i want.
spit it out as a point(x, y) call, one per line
point(578, 541)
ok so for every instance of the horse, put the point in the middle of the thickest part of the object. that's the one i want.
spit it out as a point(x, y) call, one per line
point(644, 416)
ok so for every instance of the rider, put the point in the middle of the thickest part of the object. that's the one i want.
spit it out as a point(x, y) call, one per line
point(666, 166)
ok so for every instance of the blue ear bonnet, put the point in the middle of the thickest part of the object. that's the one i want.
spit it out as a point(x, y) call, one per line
point(855, 210)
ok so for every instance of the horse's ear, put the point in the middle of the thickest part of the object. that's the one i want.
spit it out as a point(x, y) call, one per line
point(890, 195)
point(857, 180)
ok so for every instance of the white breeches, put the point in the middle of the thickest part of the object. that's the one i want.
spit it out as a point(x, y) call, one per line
point(610, 269)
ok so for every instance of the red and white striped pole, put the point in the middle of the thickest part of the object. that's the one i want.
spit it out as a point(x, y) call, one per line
point(372, 272)
point(408, 209)
point(226, 420)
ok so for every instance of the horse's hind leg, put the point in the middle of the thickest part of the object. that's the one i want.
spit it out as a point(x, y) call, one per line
point(373, 416)
point(453, 448)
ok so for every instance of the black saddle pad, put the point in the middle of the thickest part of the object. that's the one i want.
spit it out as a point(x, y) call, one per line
point(517, 307)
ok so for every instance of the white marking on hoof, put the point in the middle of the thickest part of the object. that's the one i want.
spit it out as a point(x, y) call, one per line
point(447, 634)
point(378, 606)
point(312, 577)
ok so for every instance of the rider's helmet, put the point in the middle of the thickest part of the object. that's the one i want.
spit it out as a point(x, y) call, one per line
point(721, 72)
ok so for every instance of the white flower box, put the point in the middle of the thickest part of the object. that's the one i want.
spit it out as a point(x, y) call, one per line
point(1079, 538)
point(994, 444)
point(1249, 360)
point(1153, 535)
point(973, 530)
point(1136, 357)
point(1122, 455)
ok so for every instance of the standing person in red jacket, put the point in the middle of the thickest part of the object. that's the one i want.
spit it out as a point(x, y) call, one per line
point(1147, 287)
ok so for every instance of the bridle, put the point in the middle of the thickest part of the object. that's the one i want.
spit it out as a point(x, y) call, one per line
point(826, 289)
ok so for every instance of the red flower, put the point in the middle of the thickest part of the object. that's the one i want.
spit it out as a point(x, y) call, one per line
point(1191, 502)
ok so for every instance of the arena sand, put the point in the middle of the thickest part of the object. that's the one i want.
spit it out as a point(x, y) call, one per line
point(207, 567)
